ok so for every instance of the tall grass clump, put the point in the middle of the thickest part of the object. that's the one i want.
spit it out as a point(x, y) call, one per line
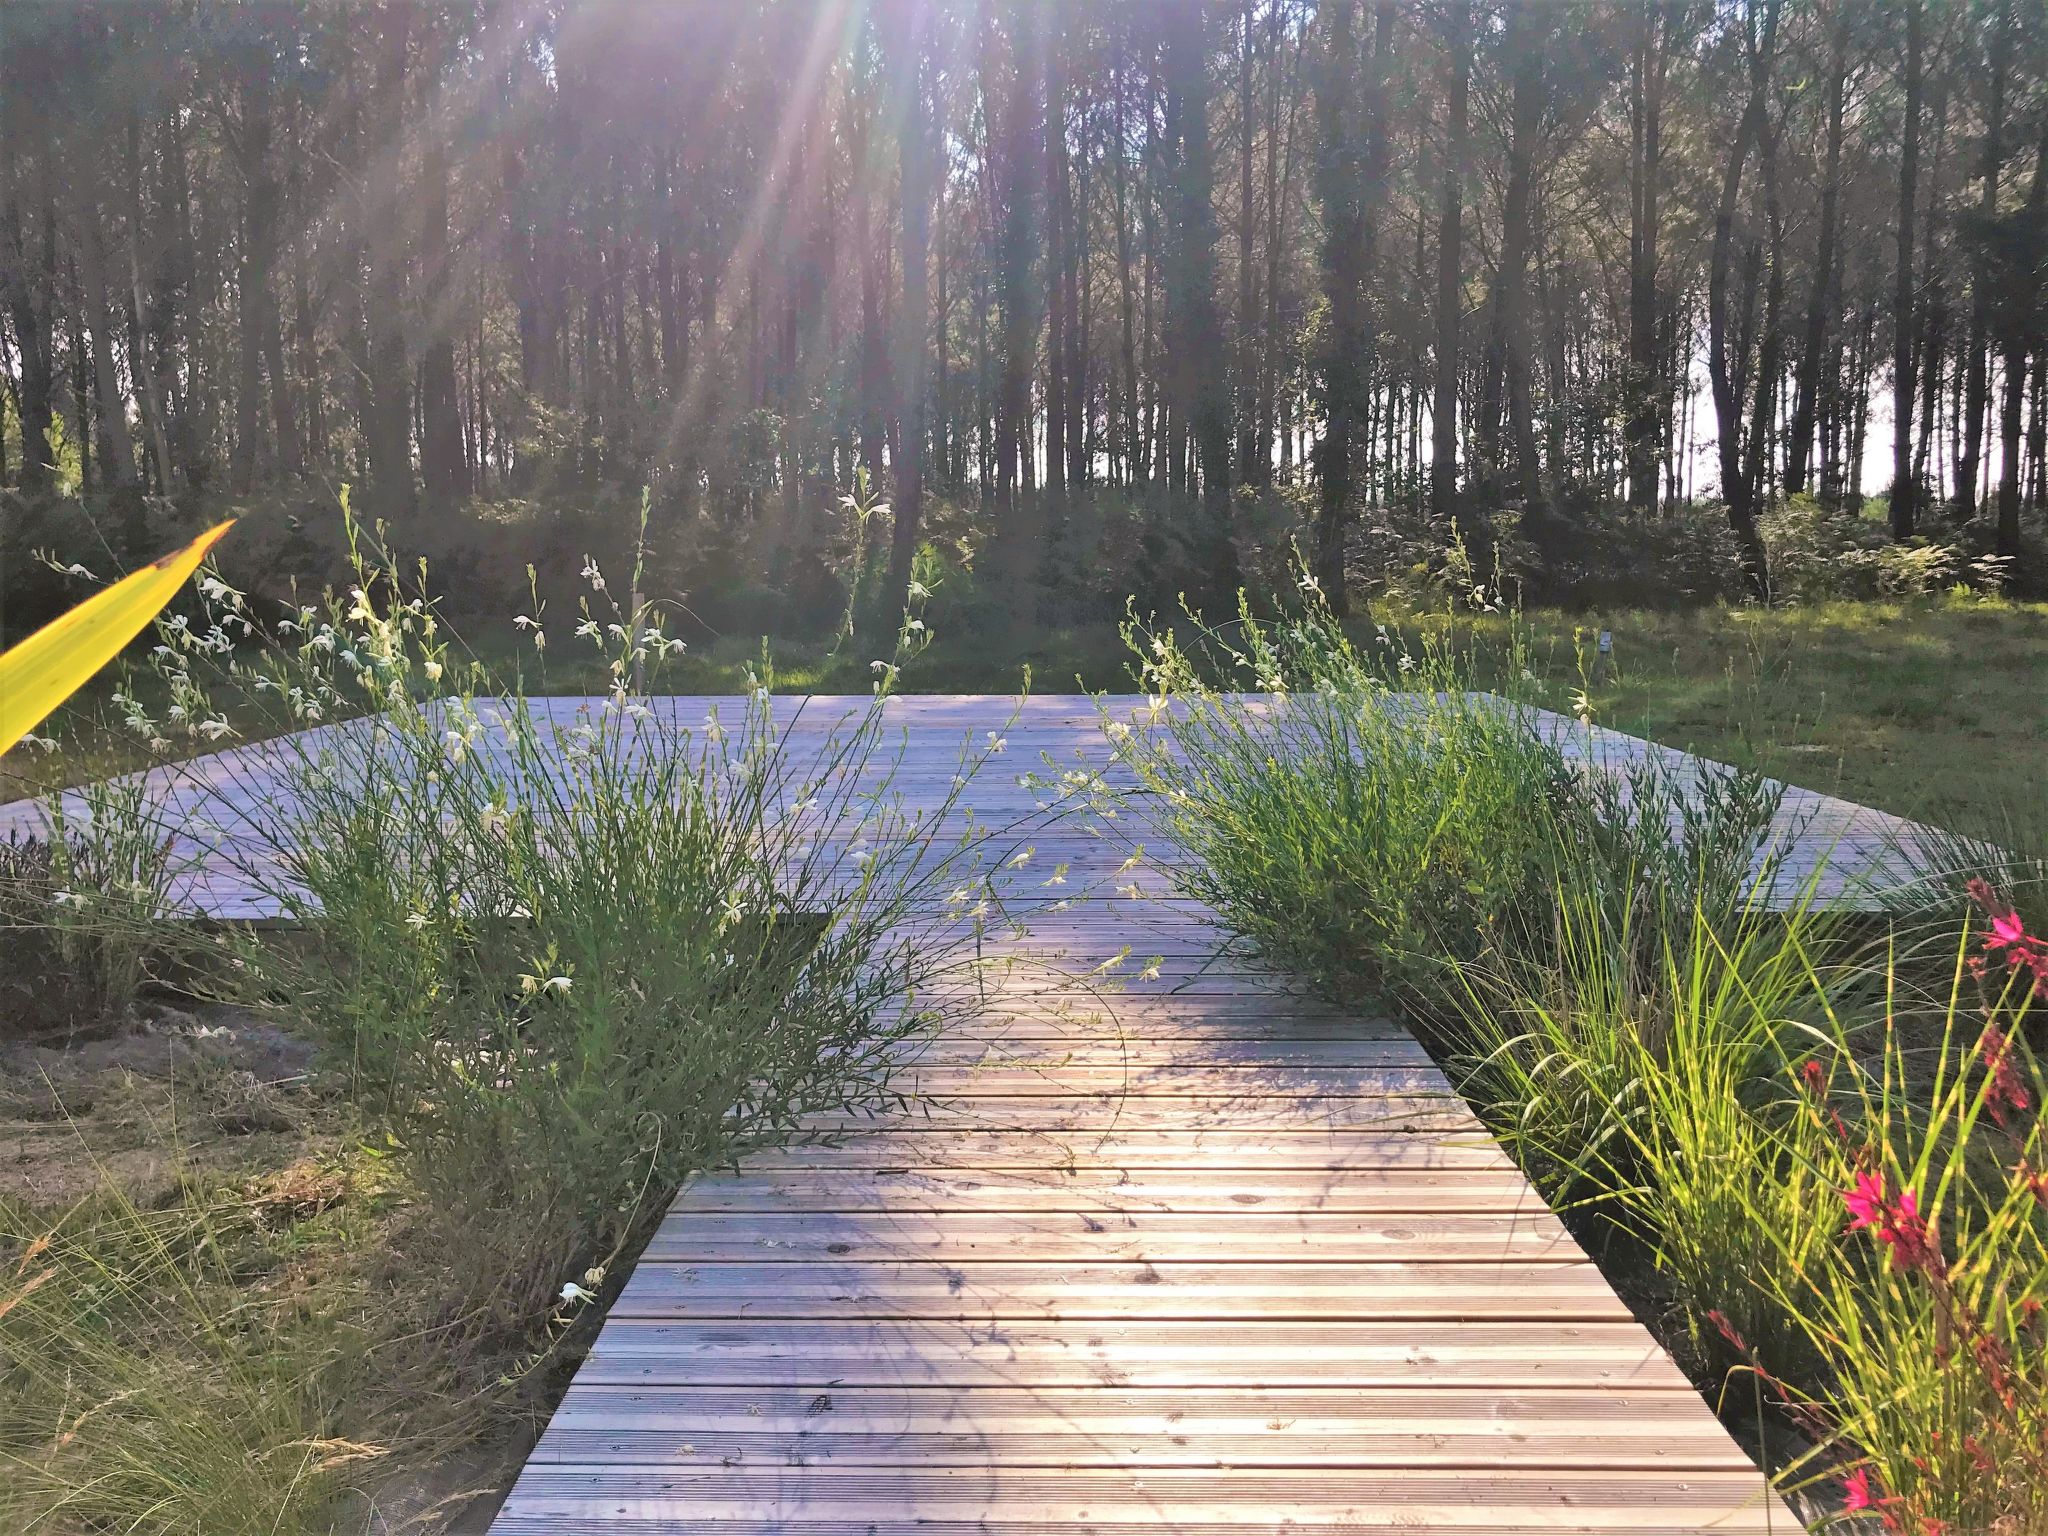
point(145, 1387)
point(1824, 1161)
point(559, 954)
point(81, 912)
point(568, 951)
point(1364, 816)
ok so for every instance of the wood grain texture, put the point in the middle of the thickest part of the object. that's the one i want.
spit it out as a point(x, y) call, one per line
point(1153, 1241)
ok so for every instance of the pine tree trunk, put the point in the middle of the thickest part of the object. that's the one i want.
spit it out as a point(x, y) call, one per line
point(1642, 428)
point(1450, 274)
point(1902, 498)
point(389, 404)
point(917, 153)
point(444, 465)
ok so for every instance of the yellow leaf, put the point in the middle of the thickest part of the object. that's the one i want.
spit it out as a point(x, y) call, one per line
point(58, 659)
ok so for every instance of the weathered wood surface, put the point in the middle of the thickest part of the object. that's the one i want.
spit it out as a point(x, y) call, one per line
point(1170, 1248)
point(217, 809)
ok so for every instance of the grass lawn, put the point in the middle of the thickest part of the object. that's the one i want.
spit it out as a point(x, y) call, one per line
point(1929, 709)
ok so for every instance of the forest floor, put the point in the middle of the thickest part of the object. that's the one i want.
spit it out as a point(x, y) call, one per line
point(1930, 709)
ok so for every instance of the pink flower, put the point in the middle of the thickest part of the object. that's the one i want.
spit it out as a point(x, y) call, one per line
point(2008, 936)
point(1865, 1201)
point(2007, 932)
point(1897, 1223)
point(1856, 1490)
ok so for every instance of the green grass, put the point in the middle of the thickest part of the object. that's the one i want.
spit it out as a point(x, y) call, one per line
point(1923, 709)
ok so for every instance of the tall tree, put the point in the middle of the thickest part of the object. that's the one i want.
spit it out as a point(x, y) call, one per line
point(444, 463)
point(1727, 353)
point(1976, 345)
point(1450, 278)
point(917, 164)
point(1649, 71)
point(387, 428)
point(1824, 291)
point(1343, 103)
point(1902, 495)
point(1200, 389)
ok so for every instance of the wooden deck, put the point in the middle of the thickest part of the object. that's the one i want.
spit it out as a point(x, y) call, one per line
point(1187, 1253)
point(214, 808)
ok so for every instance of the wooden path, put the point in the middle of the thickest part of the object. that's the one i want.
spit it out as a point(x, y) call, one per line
point(1186, 1253)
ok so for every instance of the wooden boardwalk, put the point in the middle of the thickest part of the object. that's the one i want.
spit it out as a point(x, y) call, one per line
point(1189, 1253)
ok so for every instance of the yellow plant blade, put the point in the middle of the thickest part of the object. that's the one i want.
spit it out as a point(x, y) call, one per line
point(57, 660)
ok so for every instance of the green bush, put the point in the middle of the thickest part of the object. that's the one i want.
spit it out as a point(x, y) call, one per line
point(566, 959)
point(82, 913)
point(1820, 551)
point(558, 962)
point(1361, 832)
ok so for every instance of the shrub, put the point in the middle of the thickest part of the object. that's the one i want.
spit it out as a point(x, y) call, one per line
point(567, 954)
point(1361, 832)
point(1604, 965)
point(81, 912)
point(1817, 550)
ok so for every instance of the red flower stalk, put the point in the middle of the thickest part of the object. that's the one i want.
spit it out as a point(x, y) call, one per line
point(1813, 1082)
point(1860, 1491)
point(1897, 1222)
point(2004, 1089)
point(2008, 937)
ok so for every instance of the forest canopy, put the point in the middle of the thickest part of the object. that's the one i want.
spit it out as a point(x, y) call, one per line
point(1102, 297)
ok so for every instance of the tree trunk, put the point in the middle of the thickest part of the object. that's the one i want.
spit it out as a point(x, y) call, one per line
point(1058, 320)
point(117, 449)
point(1642, 429)
point(388, 427)
point(1824, 296)
point(1902, 498)
point(1977, 380)
point(1200, 393)
point(1120, 160)
point(444, 466)
point(1506, 385)
point(917, 154)
point(1450, 274)
point(1250, 469)
point(27, 303)
point(261, 345)
point(1727, 373)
